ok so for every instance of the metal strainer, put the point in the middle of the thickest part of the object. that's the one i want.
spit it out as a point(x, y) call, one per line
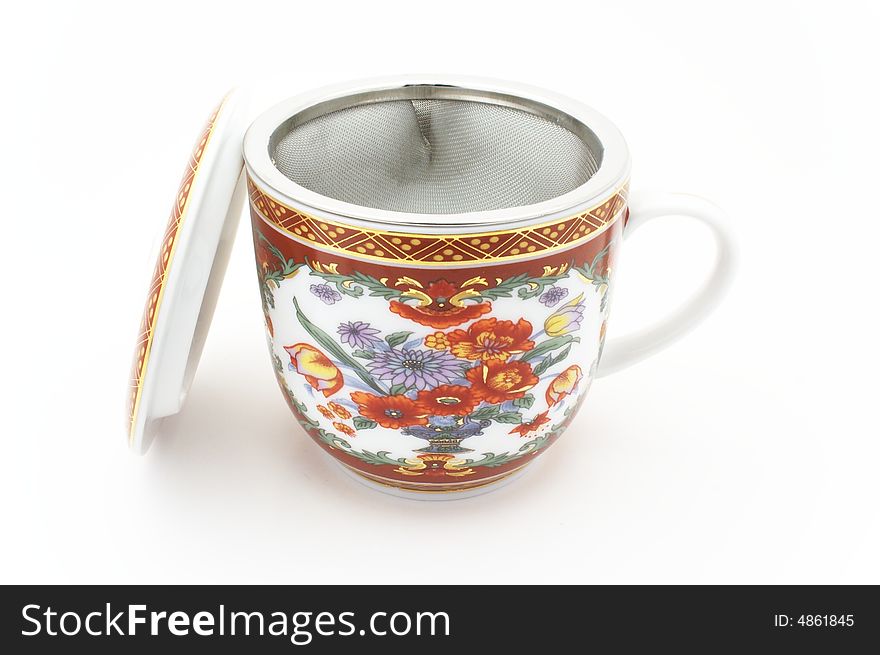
point(435, 156)
point(391, 152)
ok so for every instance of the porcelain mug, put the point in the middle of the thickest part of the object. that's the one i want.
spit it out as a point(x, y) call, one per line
point(435, 259)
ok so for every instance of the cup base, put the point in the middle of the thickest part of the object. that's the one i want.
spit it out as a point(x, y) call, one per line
point(439, 494)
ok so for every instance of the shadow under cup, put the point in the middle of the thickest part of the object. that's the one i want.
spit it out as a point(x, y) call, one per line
point(435, 262)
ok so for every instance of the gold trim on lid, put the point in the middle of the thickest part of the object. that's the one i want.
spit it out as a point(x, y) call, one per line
point(160, 274)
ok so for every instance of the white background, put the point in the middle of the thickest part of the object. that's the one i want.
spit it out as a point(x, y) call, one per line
point(746, 453)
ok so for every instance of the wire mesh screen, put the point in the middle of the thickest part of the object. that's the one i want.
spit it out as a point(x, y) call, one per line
point(435, 156)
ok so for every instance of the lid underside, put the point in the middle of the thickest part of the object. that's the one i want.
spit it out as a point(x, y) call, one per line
point(188, 273)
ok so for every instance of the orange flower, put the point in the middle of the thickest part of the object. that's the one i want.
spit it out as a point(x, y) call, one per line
point(339, 410)
point(316, 367)
point(326, 413)
point(563, 384)
point(495, 381)
point(525, 429)
point(490, 338)
point(440, 305)
point(344, 429)
point(447, 400)
point(437, 341)
point(389, 411)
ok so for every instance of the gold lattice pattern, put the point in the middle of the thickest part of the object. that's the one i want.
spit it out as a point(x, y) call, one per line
point(157, 285)
point(433, 249)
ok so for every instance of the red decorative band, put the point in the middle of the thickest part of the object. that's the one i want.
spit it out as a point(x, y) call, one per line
point(438, 250)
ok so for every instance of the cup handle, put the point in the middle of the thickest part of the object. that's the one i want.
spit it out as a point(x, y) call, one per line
point(624, 351)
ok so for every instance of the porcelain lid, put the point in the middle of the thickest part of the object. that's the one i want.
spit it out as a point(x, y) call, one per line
point(188, 273)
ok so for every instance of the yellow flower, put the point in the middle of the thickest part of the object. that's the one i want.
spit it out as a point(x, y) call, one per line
point(437, 341)
point(316, 367)
point(566, 319)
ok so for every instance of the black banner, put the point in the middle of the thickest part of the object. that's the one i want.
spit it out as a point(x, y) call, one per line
point(433, 619)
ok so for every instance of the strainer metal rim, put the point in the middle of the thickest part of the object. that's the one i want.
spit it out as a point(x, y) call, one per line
point(613, 170)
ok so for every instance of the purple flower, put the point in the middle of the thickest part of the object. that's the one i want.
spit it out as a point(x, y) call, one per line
point(358, 334)
point(553, 295)
point(421, 369)
point(326, 293)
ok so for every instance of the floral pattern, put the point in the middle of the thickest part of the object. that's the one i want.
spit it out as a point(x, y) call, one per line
point(566, 320)
point(563, 385)
point(437, 341)
point(414, 368)
point(448, 400)
point(358, 334)
point(552, 296)
point(490, 338)
point(316, 368)
point(439, 305)
point(344, 429)
point(445, 371)
point(326, 293)
point(339, 410)
point(396, 411)
point(525, 429)
point(496, 381)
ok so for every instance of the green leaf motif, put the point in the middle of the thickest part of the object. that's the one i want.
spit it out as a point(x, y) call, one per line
point(536, 285)
point(398, 390)
point(375, 287)
point(361, 423)
point(354, 285)
point(378, 459)
point(526, 401)
point(591, 271)
point(397, 338)
point(333, 440)
point(268, 296)
point(492, 460)
point(270, 279)
point(306, 421)
point(363, 354)
point(288, 266)
point(336, 350)
point(528, 287)
point(341, 284)
point(547, 362)
point(485, 413)
point(505, 288)
point(509, 417)
point(549, 346)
